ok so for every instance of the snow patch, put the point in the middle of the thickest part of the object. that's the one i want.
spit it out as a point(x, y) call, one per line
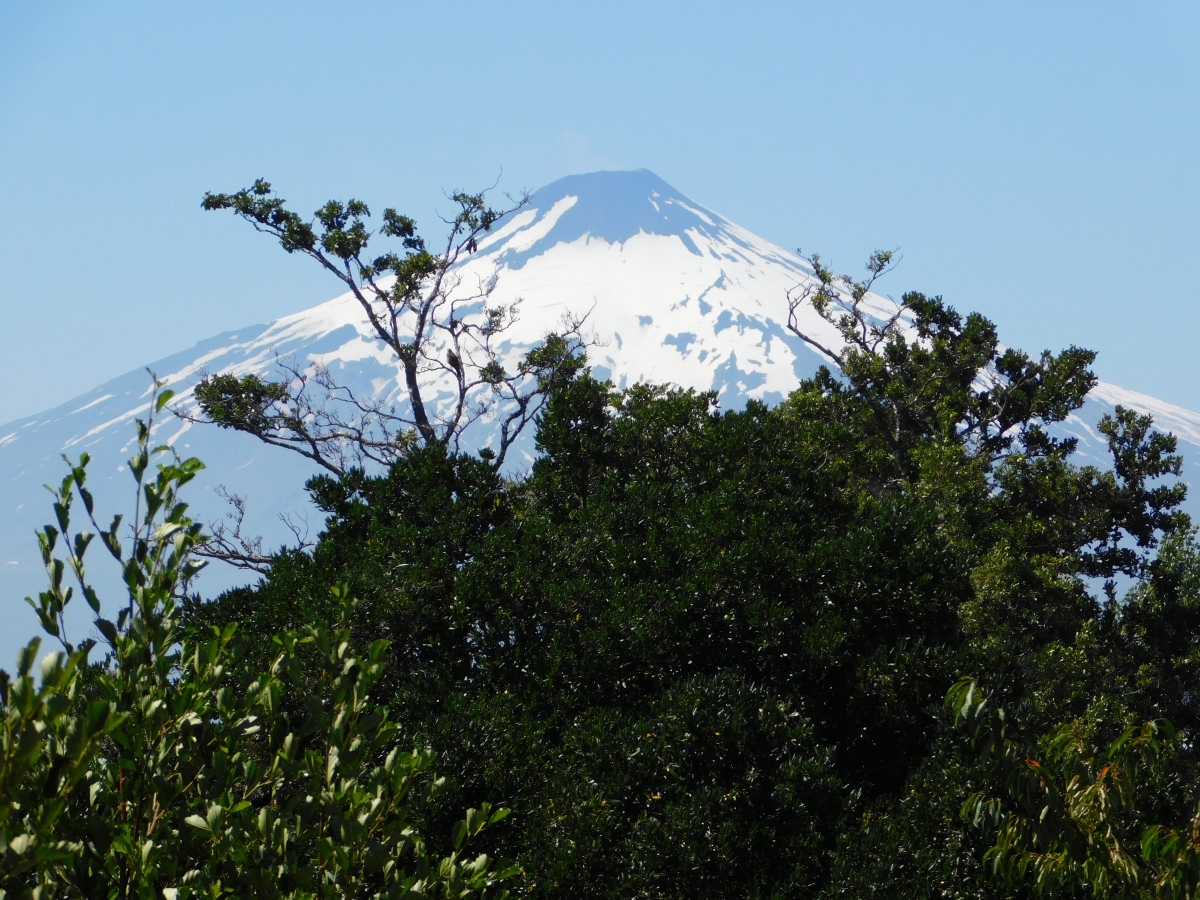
point(93, 403)
point(530, 236)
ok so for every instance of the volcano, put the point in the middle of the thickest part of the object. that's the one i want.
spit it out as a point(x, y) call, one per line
point(673, 293)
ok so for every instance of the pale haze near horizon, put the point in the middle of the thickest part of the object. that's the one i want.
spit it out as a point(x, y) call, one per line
point(1035, 164)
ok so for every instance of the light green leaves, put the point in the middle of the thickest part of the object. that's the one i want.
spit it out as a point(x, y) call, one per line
point(183, 769)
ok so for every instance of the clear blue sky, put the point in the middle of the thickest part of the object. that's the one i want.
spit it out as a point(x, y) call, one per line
point(1035, 161)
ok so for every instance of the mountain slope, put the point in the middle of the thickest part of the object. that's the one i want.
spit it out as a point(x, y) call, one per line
point(672, 291)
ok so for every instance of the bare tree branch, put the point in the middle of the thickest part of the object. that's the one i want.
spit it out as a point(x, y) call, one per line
point(227, 543)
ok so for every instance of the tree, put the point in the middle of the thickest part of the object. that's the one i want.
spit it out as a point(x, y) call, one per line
point(704, 653)
point(441, 331)
point(175, 768)
point(928, 373)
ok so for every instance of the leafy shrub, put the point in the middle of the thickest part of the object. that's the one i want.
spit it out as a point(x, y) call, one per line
point(176, 768)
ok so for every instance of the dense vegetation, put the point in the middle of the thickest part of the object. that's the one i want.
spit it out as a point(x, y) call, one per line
point(175, 767)
point(707, 654)
point(867, 643)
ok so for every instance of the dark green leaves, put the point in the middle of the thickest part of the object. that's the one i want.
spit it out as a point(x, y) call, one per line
point(246, 403)
point(259, 205)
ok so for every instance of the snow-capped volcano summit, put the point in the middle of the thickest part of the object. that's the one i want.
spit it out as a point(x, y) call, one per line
point(673, 293)
point(613, 207)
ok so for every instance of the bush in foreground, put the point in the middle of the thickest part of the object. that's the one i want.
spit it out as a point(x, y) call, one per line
point(176, 768)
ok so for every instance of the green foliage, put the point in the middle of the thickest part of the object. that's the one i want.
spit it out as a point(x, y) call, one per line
point(342, 233)
point(704, 654)
point(243, 403)
point(1071, 814)
point(440, 332)
point(927, 373)
point(175, 767)
point(1106, 803)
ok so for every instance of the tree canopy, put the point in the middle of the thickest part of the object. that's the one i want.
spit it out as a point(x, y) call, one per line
point(706, 653)
point(866, 643)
